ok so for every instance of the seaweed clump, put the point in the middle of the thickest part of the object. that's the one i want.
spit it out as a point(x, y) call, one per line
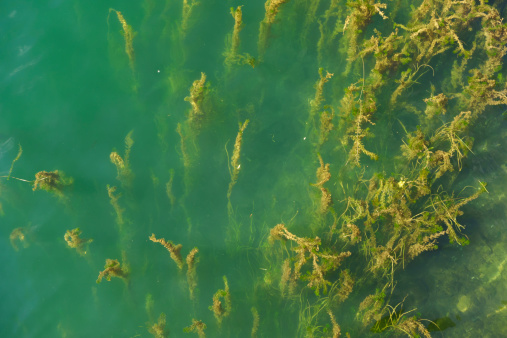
point(17, 237)
point(220, 311)
point(52, 181)
point(197, 326)
point(272, 8)
point(122, 164)
point(128, 34)
point(191, 261)
point(75, 242)
point(174, 250)
point(112, 268)
point(308, 250)
point(235, 166)
point(158, 329)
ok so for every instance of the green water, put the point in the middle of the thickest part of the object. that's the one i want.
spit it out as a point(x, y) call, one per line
point(70, 96)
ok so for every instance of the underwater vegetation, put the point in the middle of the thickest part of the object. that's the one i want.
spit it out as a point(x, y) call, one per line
point(366, 142)
point(75, 242)
point(113, 268)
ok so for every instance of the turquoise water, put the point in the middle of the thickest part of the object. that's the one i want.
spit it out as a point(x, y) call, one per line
point(72, 93)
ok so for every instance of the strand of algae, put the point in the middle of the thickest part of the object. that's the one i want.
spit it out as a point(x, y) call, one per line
point(361, 12)
point(219, 310)
point(308, 250)
point(122, 165)
point(235, 166)
point(357, 112)
point(191, 261)
point(169, 188)
point(323, 175)
point(53, 182)
point(336, 328)
point(197, 326)
point(256, 320)
point(20, 151)
point(196, 100)
point(190, 129)
point(112, 268)
point(19, 236)
point(73, 240)
point(272, 8)
point(232, 55)
point(188, 6)
point(174, 250)
point(183, 147)
point(326, 113)
point(128, 34)
point(116, 206)
point(158, 329)
point(316, 102)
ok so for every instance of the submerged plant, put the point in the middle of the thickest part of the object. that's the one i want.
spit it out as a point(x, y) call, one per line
point(231, 55)
point(196, 100)
point(308, 250)
point(235, 166)
point(191, 261)
point(188, 7)
point(255, 325)
point(52, 181)
point(113, 269)
point(20, 151)
point(125, 174)
point(158, 329)
point(75, 242)
point(18, 237)
point(111, 192)
point(220, 310)
point(197, 326)
point(174, 250)
point(272, 8)
point(128, 34)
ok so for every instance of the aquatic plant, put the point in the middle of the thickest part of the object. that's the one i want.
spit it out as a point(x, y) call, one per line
point(317, 113)
point(220, 310)
point(17, 237)
point(197, 326)
point(116, 205)
point(20, 151)
point(188, 7)
point(112, 268)
point(231, 55)
point(191, 261)
point(75, 242)
point(183, 146)
point(52, 181)
point(196, 99)
point(158, 329)
point(128, 34)
point(397, 320)
point(122, 165)
point(255, 325)
point(235, 166)
point(307, 249)
point(361, 12)
point(272, 8)
point(336, 328)
point(316, 102)
point(174, 250)
point(169, 188)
